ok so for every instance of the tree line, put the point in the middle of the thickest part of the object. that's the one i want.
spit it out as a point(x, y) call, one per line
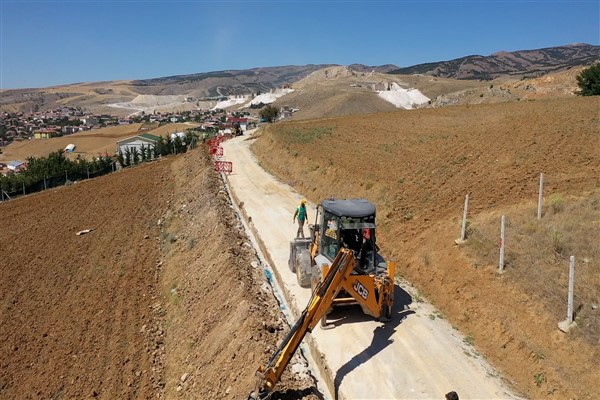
point(56, 169)
point(163, 147)
point(56, 164)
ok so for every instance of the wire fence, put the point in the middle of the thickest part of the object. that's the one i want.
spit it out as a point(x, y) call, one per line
point(53, 181)
point(537, 254)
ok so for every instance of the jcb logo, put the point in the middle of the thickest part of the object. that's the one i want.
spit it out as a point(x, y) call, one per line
point(361, 290)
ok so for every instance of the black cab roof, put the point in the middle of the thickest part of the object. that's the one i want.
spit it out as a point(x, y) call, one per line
point(354, 208)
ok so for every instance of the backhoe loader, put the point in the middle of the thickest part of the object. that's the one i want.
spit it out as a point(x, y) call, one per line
point(346, 224)
point(355, 274)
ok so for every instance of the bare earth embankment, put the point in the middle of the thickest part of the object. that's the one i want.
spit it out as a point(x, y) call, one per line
point(159, 300)
point(417, 166)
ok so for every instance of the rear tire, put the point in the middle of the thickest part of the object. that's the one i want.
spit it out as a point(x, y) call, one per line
point(302, 266)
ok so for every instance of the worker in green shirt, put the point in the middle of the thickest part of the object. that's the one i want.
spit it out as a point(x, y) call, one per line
point(301, 215)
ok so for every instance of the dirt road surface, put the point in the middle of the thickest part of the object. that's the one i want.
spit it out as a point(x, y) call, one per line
point(412, 356)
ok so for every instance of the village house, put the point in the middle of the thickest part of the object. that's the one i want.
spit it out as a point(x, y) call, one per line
point(136, 143)
point(285, 112)
point(46, 133)
point(67, 130)
point(242, 121)
point(16, 166)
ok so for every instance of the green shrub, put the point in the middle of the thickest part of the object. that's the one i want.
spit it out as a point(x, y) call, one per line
point(557, 204)
point(589, 81)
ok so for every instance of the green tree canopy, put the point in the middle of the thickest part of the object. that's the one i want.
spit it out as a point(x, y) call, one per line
point(269, 113)
point(589, 81)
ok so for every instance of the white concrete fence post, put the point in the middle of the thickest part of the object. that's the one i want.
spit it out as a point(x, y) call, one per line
point(540, 196)
point(464, 221)
point(569, 322)
point(501, 263)
point(571, 287)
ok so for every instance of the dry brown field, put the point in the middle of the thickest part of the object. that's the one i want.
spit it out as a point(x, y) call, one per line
point(417, 166)
point(159, 300)
point(88, 144)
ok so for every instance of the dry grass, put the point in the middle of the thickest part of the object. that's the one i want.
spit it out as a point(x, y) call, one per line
point(538, 251)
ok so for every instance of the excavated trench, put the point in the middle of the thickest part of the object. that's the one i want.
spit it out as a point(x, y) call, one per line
point(317, 370)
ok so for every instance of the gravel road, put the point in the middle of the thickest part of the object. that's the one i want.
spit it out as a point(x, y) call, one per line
point(415, 356)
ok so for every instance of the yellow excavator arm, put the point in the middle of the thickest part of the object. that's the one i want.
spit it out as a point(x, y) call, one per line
point(320, 301)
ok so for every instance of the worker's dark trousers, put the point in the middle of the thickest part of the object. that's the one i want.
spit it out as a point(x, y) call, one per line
point(300, 232)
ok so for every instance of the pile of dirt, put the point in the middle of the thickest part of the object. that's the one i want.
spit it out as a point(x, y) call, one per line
point(165, 297)
point(417, 166)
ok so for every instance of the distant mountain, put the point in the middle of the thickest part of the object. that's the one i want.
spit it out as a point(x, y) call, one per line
point(225, 83)
point(524, 63)
point(383, 69)
point(206, 88)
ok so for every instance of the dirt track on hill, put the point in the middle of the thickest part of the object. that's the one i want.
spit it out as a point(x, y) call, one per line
point(362, 358)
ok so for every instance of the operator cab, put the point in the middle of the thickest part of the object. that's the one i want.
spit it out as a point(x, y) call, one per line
point(350, 224)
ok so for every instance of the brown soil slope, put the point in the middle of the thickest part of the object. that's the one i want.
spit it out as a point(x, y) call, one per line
point(159, 300)
point(76, 310)
point(417, 167)
point(222, 320)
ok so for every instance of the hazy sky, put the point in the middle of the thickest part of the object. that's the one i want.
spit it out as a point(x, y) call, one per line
point(48, 42)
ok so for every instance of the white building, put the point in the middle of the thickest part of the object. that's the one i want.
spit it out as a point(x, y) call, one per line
point(145, 139)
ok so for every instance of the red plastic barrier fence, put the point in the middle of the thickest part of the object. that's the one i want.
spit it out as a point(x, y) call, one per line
point(217, 151)
point(214, 142)
point(224, 166)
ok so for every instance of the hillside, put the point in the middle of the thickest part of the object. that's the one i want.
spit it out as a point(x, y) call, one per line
point(190, 88)
point(202, 90)
point(340, 91)
point(417, 166)
point(136, 307)
point(524, 63)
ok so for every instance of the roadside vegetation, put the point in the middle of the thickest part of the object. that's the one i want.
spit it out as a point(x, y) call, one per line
point(538, 252)
point(56, 169)
point(163, 147)
point(589, 81)
point(56, 164)
point(269, 113)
